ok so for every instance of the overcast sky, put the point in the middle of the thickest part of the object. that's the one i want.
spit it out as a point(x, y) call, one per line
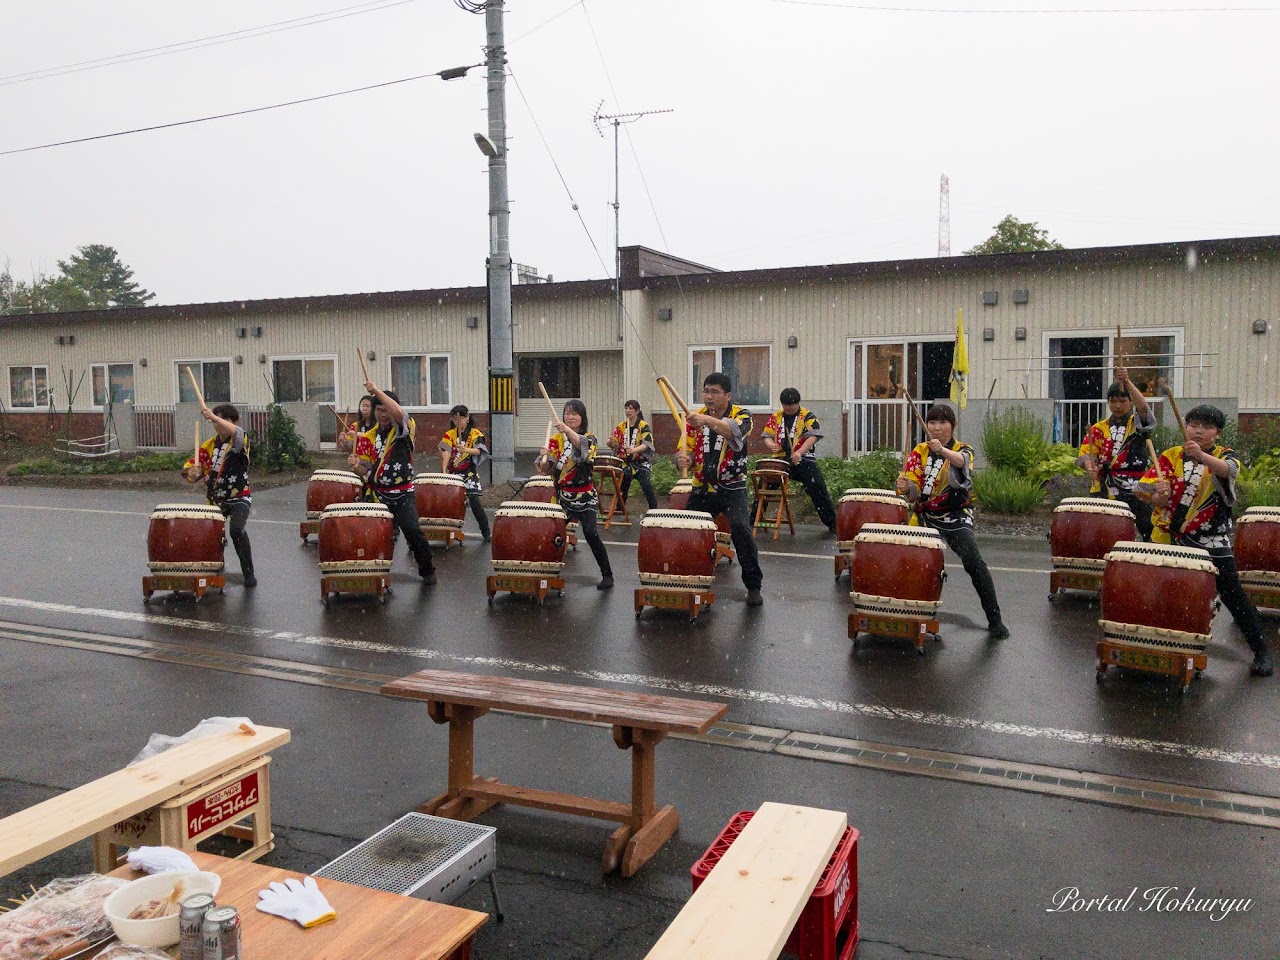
point(802, 133)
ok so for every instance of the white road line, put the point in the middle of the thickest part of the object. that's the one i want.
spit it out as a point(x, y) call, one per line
point(873, 711)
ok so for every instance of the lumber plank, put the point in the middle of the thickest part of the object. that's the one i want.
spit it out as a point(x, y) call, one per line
point(746, 907)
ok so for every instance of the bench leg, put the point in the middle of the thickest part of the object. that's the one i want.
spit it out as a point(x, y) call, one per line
point(452, 803)
point(634, 843)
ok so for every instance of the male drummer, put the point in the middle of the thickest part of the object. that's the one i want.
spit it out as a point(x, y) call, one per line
point(224, 463)
point(794, 432)
point(1193, 488)
point(937, 480)
point(1114, 452)
point(717, 436)
point(384, 457)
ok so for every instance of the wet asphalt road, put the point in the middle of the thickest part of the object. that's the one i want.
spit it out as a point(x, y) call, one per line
point(947, 869)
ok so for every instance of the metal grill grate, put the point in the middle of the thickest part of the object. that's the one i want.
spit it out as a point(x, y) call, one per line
point(421, 856)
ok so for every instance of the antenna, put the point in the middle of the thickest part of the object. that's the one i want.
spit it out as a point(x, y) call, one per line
point(616, 120)
point(944, 217)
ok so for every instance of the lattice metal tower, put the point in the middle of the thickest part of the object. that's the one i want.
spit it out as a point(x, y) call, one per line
point(944, 217)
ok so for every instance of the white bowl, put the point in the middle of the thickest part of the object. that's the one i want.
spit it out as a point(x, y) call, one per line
point(162, 931)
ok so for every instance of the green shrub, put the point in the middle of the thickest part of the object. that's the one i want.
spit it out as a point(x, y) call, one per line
point(876, 471)
point(280, 448)
point(1059, 461)
point(143, 463)
point(1002, 490)
point(664, 475)
point(1265, 467)
point(1258, 493)
point(1014, 440)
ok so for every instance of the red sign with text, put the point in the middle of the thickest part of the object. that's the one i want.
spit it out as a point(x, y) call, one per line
point(223, 805)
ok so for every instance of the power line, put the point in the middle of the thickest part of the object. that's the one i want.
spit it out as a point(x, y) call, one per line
point(373, 6)
point(1064, 11)
point(529, 33)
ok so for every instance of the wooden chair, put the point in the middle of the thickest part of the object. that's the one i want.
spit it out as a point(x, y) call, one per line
point(771, 487)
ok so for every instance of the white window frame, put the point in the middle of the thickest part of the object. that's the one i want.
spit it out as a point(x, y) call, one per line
point(694, 398)
point(106, 371)
point(304, 357)
point(8, 384)
point(881, 341)
point(1109, 334)
point(430, 407)
point(181, 373)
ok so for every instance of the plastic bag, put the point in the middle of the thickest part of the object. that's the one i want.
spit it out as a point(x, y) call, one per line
point(127, 951)
point(62, 913)
point(160, 742)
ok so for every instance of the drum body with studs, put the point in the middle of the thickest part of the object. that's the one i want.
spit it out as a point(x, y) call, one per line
point(897, 571)
point(441, 498)
point(529, 538)
point(772, 470)
point(1158, 597)
point(858, 507)
point(538, 490)
point(355, 538)
point(1257, 551)
point(1084, 529)
point(327, 487)
point(185, 538)
point(677, 549)
point(605, 461)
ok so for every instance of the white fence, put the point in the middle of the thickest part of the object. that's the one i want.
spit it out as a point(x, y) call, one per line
point(880, 425)
point(153, 426)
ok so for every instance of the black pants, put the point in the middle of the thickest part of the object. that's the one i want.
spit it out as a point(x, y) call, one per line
point(815, 485)
point(1237, 601)
point(477, 511)
point(237, 513)
point(733, 503)
point(404, 510)
point(965, 545)
point(586, 519)
point(641, 473)
point(1141, 512)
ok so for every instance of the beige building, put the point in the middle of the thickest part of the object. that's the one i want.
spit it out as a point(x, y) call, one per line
point(1043, 329)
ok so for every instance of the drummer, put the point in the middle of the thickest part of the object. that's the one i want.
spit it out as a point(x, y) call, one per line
point(794, 432)
point(717, 435)
point(384, 457)
point(363, 423)
point(1193, 509)
point(937, 480)
point(632, 440)
point(1114, 452)
point(462, 451)
point(224, 463)
point(569, 458)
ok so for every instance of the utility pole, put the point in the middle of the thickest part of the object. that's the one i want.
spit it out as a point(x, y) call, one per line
point(616, 120)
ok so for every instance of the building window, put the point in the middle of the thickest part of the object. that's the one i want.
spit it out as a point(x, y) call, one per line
point(305, 380)
point(421, 380)
point(29, 387)
point(746, 367)
point(214, 377)
point(559, 375)
point(113, 383)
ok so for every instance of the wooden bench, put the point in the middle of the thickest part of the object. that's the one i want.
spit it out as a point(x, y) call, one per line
point(747, 905)
point(200, 769)
point(640, 721)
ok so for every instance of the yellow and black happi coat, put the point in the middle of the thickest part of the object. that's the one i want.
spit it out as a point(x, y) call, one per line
point(1119, 445)
point(573, 466)
point(789, 432)
point(945, 491)
point(464, 465)
point(625, 435)
point(1199, 510)
point(225, 465)
point(720, 463)
point(390, 454)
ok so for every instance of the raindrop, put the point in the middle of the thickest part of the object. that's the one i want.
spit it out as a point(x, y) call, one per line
point(1191, 259)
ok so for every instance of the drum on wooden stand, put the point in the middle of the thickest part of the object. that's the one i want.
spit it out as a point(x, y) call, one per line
point(184, 548)
point(528, 545)
point(442, 506)
point(677, 558)
point(538, 490)
point(355, 549)
point(678, 498)
point(858, 507)
point(325, 488)
point(896, 582)
point(1257, 552)
point(609, 469)
point(605, 461)
point(1157, 609)
point(1083, 531)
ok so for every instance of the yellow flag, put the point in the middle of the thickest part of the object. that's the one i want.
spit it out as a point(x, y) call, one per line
point(960, 365)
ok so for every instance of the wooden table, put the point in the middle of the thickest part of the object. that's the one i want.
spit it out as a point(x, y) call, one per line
point(370, 923)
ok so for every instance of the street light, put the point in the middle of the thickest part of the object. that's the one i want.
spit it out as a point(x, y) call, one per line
point(487, 146)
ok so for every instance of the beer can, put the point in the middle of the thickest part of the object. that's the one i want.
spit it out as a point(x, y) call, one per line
point(191, 926)
point(222, 934)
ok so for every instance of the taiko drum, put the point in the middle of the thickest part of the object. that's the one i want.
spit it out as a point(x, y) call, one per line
point(1084, 529)
point(897, 570)
point(1159, 587)
point(442, 499)
point(538, 490)
point(605, 461)
point(858, 507)
point(327, 487)
point(355, 538)
point(677, 548)
point(185, 538)
point(678, 499)
point(528, 537)
point(1257, 547)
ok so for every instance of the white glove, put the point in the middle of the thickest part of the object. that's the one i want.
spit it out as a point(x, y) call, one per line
point(301, 902)
point(160, 859)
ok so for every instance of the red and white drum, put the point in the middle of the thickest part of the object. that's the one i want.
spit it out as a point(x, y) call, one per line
point(529, 538)
point(442, 500)
point(860, 506)
point(678, 498)
point(327, 487)
point(677, 549)
point(355, 538)
point(605, 461)
point(185, 538)
point(1257, 553)
point(1084, 529)
point(772, 470)
point(1158, 597)
point(897, 571)
point(538, 490)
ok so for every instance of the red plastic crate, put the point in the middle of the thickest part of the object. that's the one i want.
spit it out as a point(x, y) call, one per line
point(829, 921)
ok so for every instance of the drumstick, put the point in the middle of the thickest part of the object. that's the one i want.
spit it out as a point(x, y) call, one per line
point(551, 427)
point(1155, 460)
point(680, 423)
point(360, 354)
point(342, 423)
point(916, 413)
point(195, 386)
point(1176, 412)
point(195, 456)
point(676, 393)
point(550, 406)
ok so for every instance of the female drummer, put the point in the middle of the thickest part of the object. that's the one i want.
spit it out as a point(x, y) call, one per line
point(568, 458)
point(364, 421)
point(632, 440)
point(462, 451)
point(937, 480)
point(224, 463)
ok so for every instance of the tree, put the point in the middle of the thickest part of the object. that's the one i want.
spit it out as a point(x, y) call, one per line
point(95, 279)
point(1014, 236)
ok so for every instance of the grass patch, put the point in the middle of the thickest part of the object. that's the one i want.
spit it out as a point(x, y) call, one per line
point(55, 467)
